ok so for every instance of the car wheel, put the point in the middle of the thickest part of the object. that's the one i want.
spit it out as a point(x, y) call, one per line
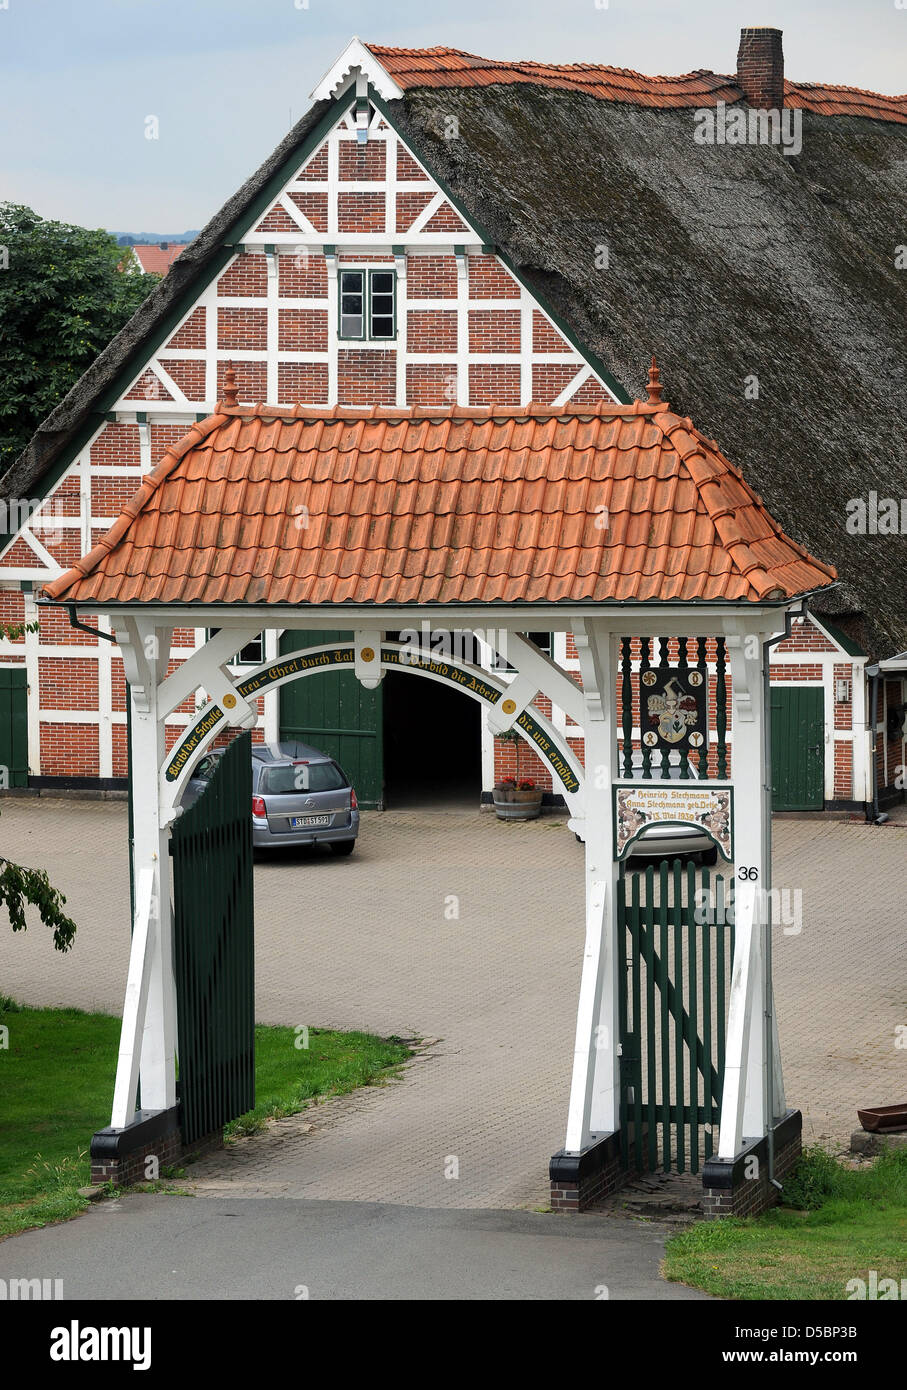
point(709, 856)
point(343, 846)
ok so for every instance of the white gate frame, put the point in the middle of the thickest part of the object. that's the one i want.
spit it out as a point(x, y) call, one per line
point(148, 1040)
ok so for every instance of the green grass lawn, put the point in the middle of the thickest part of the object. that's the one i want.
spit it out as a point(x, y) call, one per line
point(836, 1224)
point(56, 1084)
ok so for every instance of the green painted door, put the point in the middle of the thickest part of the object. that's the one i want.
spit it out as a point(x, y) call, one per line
point(338, 715)
point(14, 725)
point(798, 747)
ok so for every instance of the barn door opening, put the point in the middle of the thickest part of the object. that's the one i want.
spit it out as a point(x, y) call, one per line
point(432, 744)
point(336, 714)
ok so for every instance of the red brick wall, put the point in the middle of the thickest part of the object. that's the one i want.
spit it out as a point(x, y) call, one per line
point(430, 385)
point(362, 163)
point(494, 385)
point(302, 276)
point(242, 328)
point(494, 330)
point(301, 382)
point(431, 330)
point(360, 212)
point(303, 330)
point(247, 276)
point(488, 279)
point(313, 204)
point(192, 333)
point(432, 277)
point(366, 376)
point(69, 750)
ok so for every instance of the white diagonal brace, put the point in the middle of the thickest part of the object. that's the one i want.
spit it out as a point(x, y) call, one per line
point(140, 648)
point(136, 1002)
point(200, 667)
point(550, 679)
point(520, 693)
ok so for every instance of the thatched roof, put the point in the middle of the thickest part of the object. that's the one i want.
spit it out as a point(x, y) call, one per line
point(729, 262)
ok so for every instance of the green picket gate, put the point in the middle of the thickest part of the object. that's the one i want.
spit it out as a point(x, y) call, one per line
point(675, 958)
point(211, 845)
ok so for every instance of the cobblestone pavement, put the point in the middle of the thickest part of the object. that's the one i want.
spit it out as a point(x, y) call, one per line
point(372, 942)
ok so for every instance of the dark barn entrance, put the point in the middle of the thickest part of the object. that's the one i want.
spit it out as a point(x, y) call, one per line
point(407, 743)
point(432, 744)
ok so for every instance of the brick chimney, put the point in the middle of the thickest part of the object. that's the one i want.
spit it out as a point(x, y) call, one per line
point(760, 68)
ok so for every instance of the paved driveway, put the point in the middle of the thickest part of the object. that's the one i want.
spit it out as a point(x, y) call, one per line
point(165, 1247)
point(372, 942)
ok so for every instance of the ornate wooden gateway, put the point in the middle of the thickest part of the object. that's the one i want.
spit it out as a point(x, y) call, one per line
point(619, 524)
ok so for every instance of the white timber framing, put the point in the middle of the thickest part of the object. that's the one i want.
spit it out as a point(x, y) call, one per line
point(348, 249)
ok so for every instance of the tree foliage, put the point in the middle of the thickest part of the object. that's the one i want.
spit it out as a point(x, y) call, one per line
point(19, 886)
point(63, 297)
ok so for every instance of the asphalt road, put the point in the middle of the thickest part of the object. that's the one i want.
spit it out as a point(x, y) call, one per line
point(290, 1248)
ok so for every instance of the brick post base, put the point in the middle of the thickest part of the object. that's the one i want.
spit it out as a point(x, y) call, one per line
point(121, 1156)
point(578, 1180)
point(740, 1186)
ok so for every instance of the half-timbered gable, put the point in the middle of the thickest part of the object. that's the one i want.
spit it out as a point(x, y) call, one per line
point(357, 284)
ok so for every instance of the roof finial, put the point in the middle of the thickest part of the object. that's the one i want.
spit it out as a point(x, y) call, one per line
point(653, 385)
point(230, 397)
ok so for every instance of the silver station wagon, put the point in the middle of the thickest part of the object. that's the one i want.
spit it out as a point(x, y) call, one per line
point(300, 796)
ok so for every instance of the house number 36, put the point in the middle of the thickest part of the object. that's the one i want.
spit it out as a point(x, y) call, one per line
point(747, 873)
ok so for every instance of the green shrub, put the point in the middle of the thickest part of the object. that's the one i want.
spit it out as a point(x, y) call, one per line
point(816, 1177)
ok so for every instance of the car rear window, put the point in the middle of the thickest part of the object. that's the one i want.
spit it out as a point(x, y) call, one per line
point(301, 777)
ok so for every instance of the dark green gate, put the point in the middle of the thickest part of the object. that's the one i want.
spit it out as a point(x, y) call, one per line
point(798, 747)
point(675, 957)
point(211, 844)
point(14, 724)
point(334, 712)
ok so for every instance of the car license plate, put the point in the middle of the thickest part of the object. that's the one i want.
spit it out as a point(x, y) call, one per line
point(303, 822)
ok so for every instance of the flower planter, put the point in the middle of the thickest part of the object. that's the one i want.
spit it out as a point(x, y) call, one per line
point(512, 804)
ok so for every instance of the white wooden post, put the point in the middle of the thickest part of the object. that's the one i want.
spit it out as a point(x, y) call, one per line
point(145, 651)
point(743, 1020)
point(594, 1091)
point(751, 812)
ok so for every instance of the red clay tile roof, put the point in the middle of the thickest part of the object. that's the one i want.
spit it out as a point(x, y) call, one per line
point(261, 505)
point(451, 67)
point(156, 260)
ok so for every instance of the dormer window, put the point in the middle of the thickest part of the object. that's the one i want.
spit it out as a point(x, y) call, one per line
point(368, 304)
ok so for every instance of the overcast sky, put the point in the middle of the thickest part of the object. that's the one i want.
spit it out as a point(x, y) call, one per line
point(226, 78)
